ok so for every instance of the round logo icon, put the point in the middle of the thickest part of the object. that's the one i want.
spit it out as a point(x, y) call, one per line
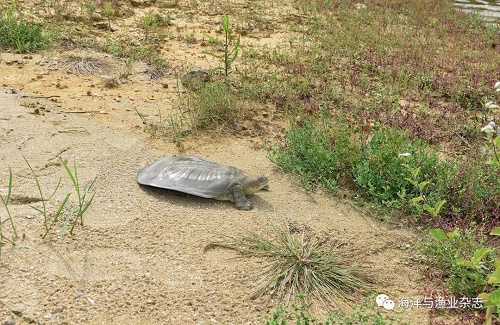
point(389, 304)
point(380, 299)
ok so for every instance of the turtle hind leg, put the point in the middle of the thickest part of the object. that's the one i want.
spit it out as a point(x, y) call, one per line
point(240, 199)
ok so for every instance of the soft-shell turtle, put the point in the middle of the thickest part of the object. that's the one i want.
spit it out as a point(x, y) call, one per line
point(204, 178)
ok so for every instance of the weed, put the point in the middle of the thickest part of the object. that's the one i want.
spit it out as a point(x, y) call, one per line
point(456, 255)
point(150, 22)
point(156, 65)
point(472, 193)
point(176, 125)
point(90, 9)
point(230, 54)
point(113, 47)
point(300, 263)
point(300, 314)
point(444, 254)
point(367, 313)
point(75, 214)
point(83, 201)
point(319, 153)
point(109, 12)
point(11, 235)
point(379, 170)
point(47, 220)
point(213, 106)
point(19, 34)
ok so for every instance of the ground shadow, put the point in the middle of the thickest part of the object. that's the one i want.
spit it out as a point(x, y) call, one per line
point(182, 199)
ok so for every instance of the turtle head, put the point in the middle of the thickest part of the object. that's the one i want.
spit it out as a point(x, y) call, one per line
point(254, 184)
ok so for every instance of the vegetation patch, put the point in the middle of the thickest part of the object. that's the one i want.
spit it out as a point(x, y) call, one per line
point(300, 314)
point(298, 262)
point(21, 35)
point(320, 153)
point(86, 65)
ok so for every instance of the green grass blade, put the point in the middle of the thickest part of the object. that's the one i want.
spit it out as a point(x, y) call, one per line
point(55, 190)
point(37, 209)
point(87, 205)
point(61, 207)
point(212, 54)
point(74, 178)
point(9, 189)
point(67, 222)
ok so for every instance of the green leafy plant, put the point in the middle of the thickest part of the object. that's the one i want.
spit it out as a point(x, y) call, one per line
point(300, 314)
point(380, 172)
point(367, 313)
point(230, 54)
point(300, 263)
point(479, 272)
point(113, 47)
point(11, 235)
point(320, 153)
point(150, 22)
point(467, 263)
point(455, 253)
point(18, 34)
point(452, 248)
point(420, 185)
point(491, 299)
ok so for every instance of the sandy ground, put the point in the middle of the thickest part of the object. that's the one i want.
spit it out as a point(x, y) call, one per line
point(139, 258)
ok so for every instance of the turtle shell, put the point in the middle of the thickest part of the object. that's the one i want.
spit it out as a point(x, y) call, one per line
point(191, 175)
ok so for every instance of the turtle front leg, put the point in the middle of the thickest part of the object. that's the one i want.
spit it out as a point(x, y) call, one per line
point(240, 199)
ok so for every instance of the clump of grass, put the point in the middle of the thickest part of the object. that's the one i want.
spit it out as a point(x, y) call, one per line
point(156, 65)
point(299, 263)
point(215, 105)
point(75, 214)
point(84, 201)
point(85, 65)
point(19, 34)
point(109, 11)
point(48, 221)
point(178, 128)
point(114, 47)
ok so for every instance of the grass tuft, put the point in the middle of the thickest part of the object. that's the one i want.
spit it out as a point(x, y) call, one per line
point(86, 65)
point(298, 263)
